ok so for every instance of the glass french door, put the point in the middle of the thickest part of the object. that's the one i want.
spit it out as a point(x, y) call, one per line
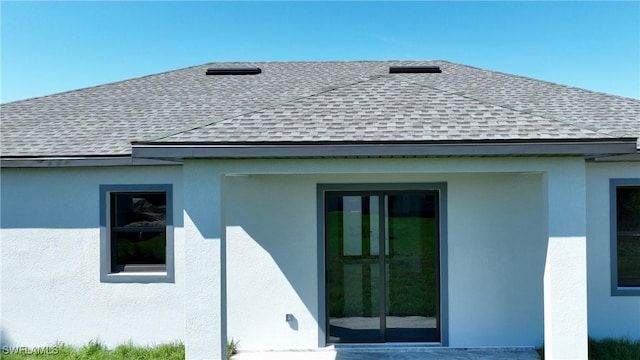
point(382, 263)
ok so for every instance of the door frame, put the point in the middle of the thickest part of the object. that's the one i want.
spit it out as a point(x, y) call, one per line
point(441, 188)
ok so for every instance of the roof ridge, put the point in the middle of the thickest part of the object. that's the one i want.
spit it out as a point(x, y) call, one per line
point(104, 84)
point(542, 81)
point(210, 63)
point(274, 105)
point(324, 61)
point(504, 106)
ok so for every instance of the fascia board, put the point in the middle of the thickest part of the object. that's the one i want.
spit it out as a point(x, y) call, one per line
point(20, 162)
point(172, 155)
point(243, 151)
point(617, 158)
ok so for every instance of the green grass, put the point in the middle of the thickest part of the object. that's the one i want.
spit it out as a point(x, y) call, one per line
point(608, 348)
point(232, 348)
point(95, 350)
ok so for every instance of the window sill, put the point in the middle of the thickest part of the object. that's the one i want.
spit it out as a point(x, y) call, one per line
point(625, 291)
point(137, 277)
point(134, 273)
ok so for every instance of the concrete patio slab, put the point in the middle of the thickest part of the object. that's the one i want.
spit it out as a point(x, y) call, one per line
point(393, 353)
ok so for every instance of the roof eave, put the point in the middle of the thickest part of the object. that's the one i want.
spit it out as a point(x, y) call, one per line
point(145, 154)
point(591, 148)
point(617, 158)
point(79, 161)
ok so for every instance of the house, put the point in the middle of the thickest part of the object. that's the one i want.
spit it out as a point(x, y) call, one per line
point(292, 205)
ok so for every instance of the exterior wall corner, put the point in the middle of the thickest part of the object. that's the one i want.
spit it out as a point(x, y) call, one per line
point(565, 276)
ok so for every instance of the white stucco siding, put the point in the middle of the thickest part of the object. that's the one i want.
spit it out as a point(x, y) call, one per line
point(565, 275)
point(609, 316)
point(497, 246)
point(254, 231)
point(204, 271)
point(496, 238)
point(50, 262)
point(272, 261)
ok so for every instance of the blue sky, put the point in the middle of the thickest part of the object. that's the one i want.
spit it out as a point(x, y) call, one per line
point(49, 47)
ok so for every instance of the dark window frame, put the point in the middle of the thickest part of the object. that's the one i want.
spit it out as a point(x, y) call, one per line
point(109, 272)
point(614, 185)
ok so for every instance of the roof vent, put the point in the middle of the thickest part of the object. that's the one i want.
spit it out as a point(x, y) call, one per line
point(234, 71)
point(414, 69)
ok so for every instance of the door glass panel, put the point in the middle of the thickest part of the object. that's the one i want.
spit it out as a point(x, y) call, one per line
point(374, 226)
point(353, 268)
point(389, 295)
point(352, 226)
point(412, 268)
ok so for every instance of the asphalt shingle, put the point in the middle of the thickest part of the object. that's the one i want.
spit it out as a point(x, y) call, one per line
point(382, 109)
point(310, 101)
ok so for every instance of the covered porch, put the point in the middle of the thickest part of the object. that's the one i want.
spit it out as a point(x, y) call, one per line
point(511, 245)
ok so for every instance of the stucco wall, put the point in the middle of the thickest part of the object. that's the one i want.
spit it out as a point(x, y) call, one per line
point(496, 240)
point(50, 262)
point(497, 243)
point(609, 316)
point(497, 249)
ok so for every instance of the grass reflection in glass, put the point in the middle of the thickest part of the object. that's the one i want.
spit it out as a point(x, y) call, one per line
point(411, 271)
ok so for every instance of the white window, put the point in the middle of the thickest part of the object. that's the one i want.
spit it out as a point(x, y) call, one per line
point(136, 233)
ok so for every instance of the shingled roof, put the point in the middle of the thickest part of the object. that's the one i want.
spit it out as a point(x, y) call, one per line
point(308, 103)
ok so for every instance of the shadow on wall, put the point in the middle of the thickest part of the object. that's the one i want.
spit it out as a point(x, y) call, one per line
point(68, 198)
point(272, 252)
point(5, 340)
point(272, 242)
point(292, 321)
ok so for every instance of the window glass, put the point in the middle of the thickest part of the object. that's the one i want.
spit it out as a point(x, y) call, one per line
point(138, 231)
point(139, 209)
point(628, 235)
point(138, 248)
